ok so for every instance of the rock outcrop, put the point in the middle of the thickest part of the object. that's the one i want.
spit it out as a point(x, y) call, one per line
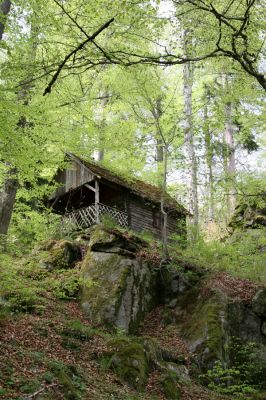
point(123, 287)
point(209, 312)
point(250, 215)
point(218, 317)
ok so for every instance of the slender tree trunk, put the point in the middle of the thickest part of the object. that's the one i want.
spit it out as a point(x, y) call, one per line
point(191, 160)
point(7, 198)
point(159, 146)
point(98, 153)
point(163, 211)
point(209, 163)
point(229, 162)
point(161, 159)
point(159, 153)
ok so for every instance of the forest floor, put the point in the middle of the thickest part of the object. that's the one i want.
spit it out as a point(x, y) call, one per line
point(57, 354)
point(51, 351)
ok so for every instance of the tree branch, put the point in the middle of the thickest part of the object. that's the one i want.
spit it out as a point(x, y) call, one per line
point(73, 52)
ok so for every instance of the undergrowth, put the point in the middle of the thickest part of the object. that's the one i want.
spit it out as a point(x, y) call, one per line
point(26, 286)
point(243, 255)
point(244, 377)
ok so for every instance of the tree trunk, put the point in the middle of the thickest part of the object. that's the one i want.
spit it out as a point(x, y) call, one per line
point(9, 189)
point(98, 153)
point(4, 10)
point(7, 199)
point(161, 160)
point(163, 211)
point(189, 142)
point(229, 161)
point(209, 163)
point(159, 143)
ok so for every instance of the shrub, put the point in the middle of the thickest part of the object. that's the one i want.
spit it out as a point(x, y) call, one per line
point(246, 375)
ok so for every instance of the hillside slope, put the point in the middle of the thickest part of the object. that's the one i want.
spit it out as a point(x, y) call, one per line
point(99, 318)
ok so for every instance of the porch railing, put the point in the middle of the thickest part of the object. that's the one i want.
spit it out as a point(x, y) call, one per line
point(87, 216)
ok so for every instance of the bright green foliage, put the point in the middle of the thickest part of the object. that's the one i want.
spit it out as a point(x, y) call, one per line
point(245, 376)
point(243, 257)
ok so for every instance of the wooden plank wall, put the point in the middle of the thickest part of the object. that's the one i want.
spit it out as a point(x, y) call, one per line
point(141, 216)
point(141, 219)
point(75, 175)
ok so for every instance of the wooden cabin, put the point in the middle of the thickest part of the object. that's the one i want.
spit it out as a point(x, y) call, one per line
point(87, 192)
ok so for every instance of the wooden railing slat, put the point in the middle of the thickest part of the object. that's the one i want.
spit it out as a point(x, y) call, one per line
point(86, 216)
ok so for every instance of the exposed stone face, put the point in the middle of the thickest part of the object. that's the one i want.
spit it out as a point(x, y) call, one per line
point(210, 325)
point(123, 288)
point(259, 303)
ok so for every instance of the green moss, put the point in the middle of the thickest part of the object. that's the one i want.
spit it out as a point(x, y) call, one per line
point(170, 388)
point(77, 330)
point(68, 378)
point(110, 278)
point(100, 235)
point(70, 344)
point(206, 326)
point(62, 255)
point(29, 385)
point(130, 363)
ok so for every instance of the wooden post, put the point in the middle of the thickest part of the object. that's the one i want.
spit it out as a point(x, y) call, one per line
point(97, 200)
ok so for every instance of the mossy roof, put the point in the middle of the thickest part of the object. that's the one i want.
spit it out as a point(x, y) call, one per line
point(142, 189)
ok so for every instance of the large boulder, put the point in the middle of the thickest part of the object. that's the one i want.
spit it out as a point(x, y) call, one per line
point(123, 288)
point(250, 215)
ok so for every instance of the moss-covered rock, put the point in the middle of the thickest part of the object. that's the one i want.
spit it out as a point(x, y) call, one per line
point(250, 215)
point(259, 303)
point(205, 331)
point(113, 241)
point(123, 288)
point(129, 361)
point(169, 386)
point(63, 254)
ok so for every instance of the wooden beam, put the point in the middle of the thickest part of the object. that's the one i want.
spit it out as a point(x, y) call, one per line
point(90, 187)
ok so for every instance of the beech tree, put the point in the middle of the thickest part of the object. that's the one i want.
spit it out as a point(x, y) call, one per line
point(232, 31)
point(104, 90)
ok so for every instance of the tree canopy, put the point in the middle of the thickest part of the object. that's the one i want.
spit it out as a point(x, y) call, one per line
point(170, 91)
